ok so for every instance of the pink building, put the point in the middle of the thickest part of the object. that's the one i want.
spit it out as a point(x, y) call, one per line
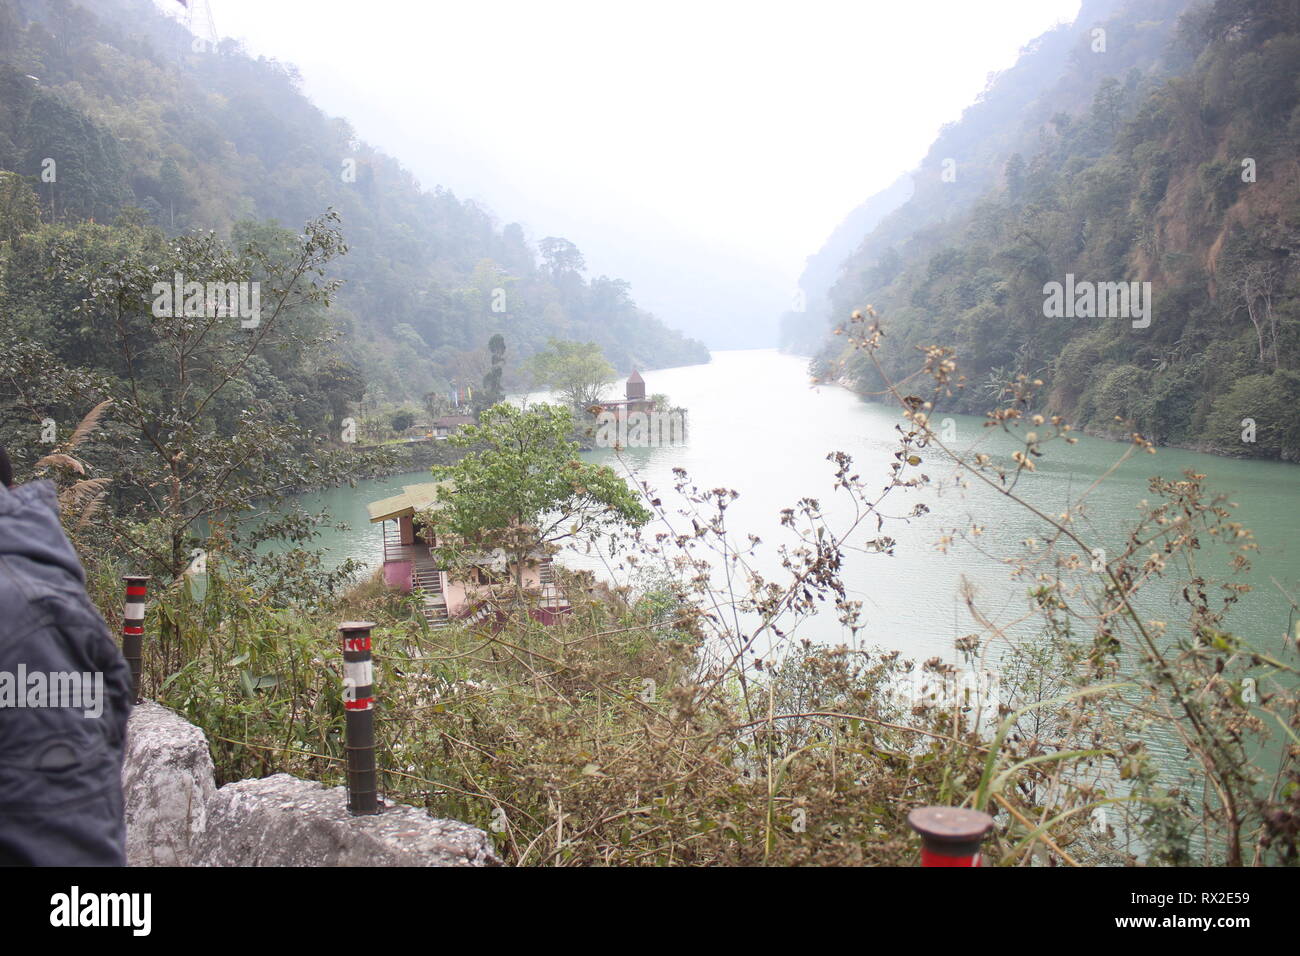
point(410, 565)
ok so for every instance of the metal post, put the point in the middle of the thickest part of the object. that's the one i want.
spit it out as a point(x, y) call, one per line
point(358, 705)
point(137, 592)
point(950, 836)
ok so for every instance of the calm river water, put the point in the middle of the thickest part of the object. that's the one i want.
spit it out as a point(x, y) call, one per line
point(758, 425)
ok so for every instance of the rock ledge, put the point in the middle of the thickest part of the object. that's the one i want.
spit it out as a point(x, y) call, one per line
point(176, 815)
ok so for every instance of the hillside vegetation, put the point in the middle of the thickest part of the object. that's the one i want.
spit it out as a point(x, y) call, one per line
point(1181, 173)
point(150, 130)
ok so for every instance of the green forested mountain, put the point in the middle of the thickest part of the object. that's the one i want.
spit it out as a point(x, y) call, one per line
point(149, 130)
point(1165, 156)
point(966, 159)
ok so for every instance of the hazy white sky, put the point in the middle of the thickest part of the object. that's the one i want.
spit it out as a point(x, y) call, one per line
point(702, 150)
point(753, 126)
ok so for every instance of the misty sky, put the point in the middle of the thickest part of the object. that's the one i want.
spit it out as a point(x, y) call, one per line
point(745, 129)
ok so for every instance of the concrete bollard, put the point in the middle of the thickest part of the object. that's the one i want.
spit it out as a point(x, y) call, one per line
point(950, 836)
point(359, 708)
point(137, 592)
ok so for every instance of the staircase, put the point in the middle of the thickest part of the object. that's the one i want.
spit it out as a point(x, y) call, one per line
point(481, 613)
point(426, 579)
point(552, 598)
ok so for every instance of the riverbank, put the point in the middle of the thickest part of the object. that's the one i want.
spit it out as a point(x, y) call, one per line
point(415, 455)
point(1247, 449)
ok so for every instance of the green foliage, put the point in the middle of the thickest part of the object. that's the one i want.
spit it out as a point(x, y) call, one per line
point(577, 371)
point(523, 488)
point(1269, 401)
point(492, 391)
point(1221, 180)
point(340, 384)
point(1117, 396)
point(211, 420)
point(19, 209)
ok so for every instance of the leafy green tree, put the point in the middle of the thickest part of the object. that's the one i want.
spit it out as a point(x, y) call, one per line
point(1107, 104)
point(492, 392)
point(211, 445)
point(172, 190)
point(342, 383)
point(522, 488)
point(577, 371)
point(20, 211)
point(561, 258)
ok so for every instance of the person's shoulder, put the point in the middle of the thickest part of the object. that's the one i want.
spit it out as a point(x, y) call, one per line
point(32, 493)
point(38, 563)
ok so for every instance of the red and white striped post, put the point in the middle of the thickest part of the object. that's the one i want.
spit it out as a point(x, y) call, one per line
point(137, 592)
point(359, 711)
point(950, 836)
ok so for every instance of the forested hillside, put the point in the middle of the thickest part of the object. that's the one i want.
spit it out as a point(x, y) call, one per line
point(1165, 153)
point(151, 132)
point(966, 158)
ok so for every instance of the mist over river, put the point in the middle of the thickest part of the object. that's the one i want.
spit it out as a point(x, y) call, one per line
point(757, 424)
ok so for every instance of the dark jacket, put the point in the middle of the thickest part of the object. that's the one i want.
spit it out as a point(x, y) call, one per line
point(60, 770)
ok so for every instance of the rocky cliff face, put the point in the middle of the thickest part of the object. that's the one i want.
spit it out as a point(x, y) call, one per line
point(177, 816)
